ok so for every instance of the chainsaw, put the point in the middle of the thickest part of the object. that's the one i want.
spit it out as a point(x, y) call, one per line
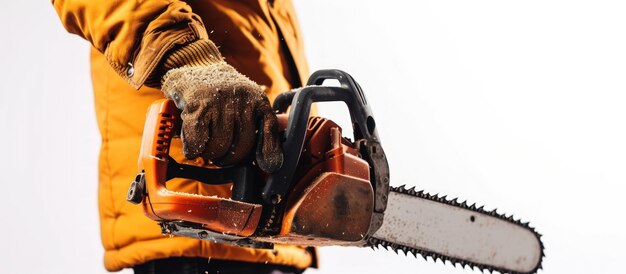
point(330, 191)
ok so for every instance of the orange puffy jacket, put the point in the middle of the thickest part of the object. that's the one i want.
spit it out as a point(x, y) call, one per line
point(260, 38)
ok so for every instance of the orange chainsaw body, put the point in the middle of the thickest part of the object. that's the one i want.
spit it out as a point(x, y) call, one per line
point(329, 190)
point(331, 203)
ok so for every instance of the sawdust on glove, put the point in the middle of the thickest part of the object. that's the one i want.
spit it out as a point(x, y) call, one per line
point(221, 112)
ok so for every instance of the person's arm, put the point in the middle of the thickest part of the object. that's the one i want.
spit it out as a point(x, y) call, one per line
point(160, 41)
point(135, 36)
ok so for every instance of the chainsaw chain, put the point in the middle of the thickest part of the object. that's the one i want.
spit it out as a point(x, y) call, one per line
point(375, 242)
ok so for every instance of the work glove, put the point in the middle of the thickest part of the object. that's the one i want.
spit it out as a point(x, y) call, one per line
point(223, 112)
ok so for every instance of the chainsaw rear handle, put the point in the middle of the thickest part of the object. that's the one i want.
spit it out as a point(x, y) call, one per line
point(162, 124)
point(157, 167)
point(364, 128)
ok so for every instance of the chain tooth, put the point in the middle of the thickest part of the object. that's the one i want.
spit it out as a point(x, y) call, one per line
point(417, 253)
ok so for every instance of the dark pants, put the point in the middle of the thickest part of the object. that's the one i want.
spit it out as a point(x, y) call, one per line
point(183, 265)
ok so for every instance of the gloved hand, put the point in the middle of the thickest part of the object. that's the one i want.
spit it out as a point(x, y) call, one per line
point(221, 110)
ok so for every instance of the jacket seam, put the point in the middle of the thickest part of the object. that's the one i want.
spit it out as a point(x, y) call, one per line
point(106, 159)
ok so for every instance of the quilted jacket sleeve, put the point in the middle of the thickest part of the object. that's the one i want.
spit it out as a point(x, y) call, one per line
point(134, 35)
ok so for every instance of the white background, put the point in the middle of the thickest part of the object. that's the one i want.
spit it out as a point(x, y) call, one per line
point(514, 104)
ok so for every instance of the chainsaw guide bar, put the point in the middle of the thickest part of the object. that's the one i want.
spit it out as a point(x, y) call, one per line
point(471, 214)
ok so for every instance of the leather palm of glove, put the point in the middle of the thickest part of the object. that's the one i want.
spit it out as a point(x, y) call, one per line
point(223, 112)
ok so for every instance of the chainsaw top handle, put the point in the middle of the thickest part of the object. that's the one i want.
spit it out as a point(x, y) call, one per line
point(364, 128)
